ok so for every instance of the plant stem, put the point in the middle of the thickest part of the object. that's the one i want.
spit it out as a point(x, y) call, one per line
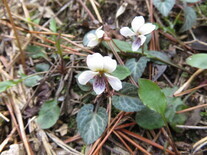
point(170, 138)
point(59, 51)
point(110, 44)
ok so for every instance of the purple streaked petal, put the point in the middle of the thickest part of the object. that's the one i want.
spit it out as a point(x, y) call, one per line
point(136, 44)
point(99, 84)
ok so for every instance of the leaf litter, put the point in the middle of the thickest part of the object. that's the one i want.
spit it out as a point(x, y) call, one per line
point(40, 24)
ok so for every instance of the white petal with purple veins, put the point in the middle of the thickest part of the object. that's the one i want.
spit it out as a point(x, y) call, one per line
point(95, 62)
point(86, 76)
point(137, 22)
point(114, 82)
point(99, 84)
point(127, 32)
point(147, 28)
point(136, 44)
point(109, 64)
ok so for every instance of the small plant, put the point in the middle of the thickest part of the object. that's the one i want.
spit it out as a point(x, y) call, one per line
point(146, 100)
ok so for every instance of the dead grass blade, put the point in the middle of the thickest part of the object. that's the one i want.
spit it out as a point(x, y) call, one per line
point(22, 55)
point(63, 145)
point(125, 144)
point(146, 140)
point(3, 144)
point(134, 143)
point(109, 130)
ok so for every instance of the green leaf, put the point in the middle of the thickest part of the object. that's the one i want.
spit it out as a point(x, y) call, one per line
point(191, 1)
point(152, 96)
point(159, 57)
point(4, 85)
point(36, 21)
point(121, 72)
point(149, 119)
point(48, 114)
point(174, 104)
point(32, 81)
point(41, 67)
point(91, 124)
point(164, 6)
point(198, 60)
point(137, 67)
point(36, 52)
point(190, 19)
point(128, 100)
point(121, 46)
point(53, 26)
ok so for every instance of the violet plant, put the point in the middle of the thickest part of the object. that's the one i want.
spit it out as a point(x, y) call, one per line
point(104, 78)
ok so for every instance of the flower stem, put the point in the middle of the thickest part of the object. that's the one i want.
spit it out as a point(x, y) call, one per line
point(110, 44)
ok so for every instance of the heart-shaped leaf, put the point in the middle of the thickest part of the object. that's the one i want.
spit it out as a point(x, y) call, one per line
point(152, 96)
point(164, 6)
point(36, 52)
point(32, 81)
point(41, 67)
point(190, 19)
point(137, 67)
point(158, 57)
point(91, 124)
point(174, 104)
point(121, 72)
point(149, 119)
point(128, 100)
point(48, 114)
point(198, 60)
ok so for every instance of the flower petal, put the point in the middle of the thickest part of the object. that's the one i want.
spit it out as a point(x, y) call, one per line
point(114, 82)
point(86, 76)
point(147, 28)
point(99, 84)
point(143, 39)
point(95, 62)
point(93, 42)
point(127, 32)
point(136, 44)
point(99, 32)
point(91, 36)
point(109, 65)
point(137, 22)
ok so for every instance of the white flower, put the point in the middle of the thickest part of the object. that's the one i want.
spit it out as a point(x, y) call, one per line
point(139, 29)
point(100, 69)
point(93, 37)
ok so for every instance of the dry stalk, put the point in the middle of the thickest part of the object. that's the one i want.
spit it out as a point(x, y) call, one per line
point(22, 56)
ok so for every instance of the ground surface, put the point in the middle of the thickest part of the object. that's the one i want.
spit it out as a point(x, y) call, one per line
point(41, 54)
